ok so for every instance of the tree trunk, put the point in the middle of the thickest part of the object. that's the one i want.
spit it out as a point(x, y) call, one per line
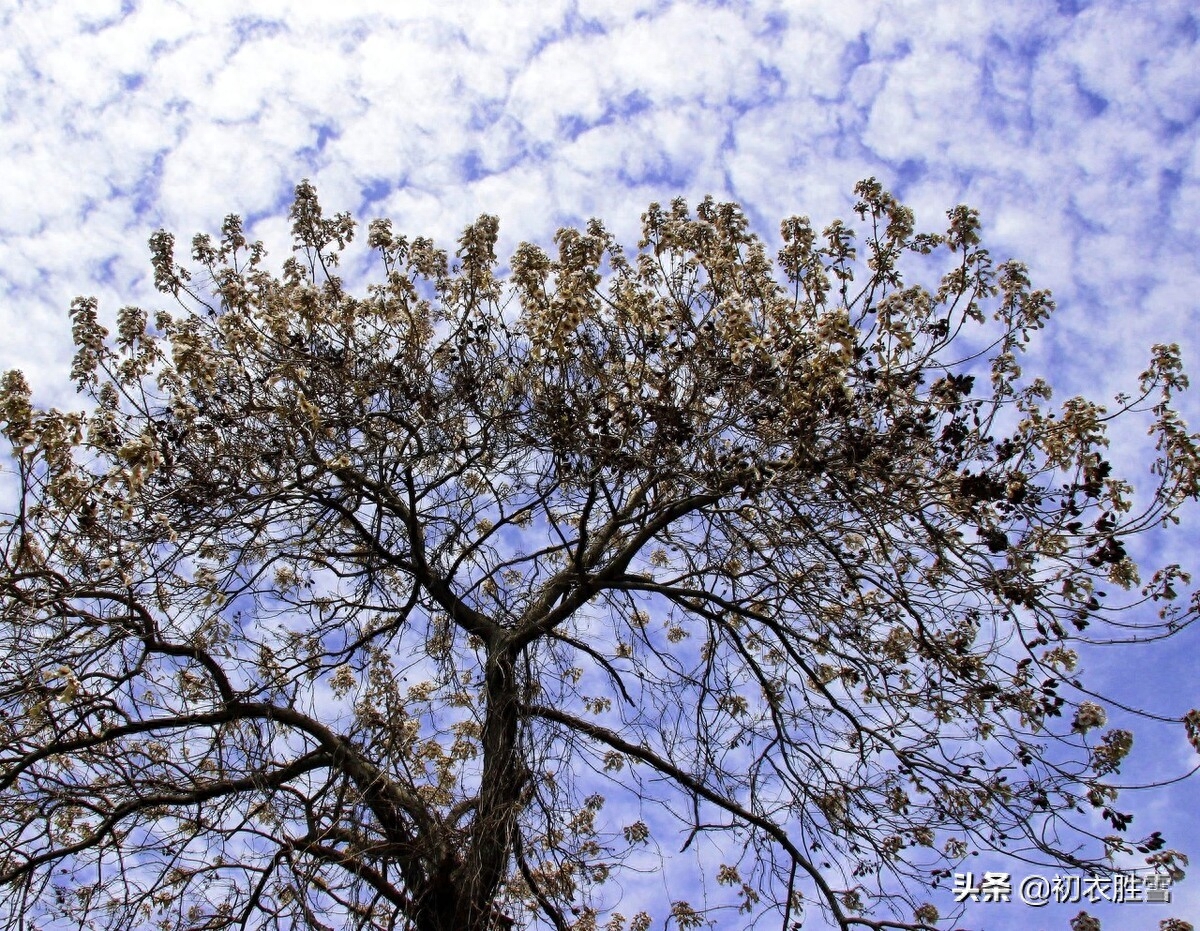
point(484, 865)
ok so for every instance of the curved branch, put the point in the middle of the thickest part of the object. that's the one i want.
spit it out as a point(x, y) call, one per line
point(696, 787)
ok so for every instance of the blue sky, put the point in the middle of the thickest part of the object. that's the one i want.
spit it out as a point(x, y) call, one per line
point(1073, 127)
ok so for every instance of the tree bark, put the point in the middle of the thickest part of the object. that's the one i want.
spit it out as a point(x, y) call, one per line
point(485, 863)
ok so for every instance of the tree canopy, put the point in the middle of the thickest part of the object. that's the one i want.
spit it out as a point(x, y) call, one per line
point(456, 605)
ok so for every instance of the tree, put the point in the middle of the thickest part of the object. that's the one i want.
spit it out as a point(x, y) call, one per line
point(368, 612)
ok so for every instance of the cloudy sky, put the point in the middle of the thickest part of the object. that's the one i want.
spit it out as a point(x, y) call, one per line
point(1072, 126)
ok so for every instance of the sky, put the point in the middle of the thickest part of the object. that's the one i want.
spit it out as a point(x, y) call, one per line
point(1071, 126)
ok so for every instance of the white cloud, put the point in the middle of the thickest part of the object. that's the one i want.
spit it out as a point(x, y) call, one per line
point(1076, 135)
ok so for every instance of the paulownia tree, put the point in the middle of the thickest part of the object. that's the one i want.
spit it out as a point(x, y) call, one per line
point(455, 606)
